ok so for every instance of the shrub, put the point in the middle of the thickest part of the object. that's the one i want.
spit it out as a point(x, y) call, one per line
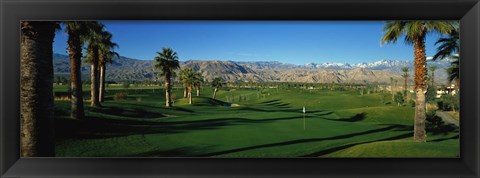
point(436, 125)
point(120, 96)
point(431, 94)
point(433, 121)
point(412, 103)
point(449, 103)
point(399, 98)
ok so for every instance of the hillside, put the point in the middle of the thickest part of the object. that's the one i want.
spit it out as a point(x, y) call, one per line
point(124, 68)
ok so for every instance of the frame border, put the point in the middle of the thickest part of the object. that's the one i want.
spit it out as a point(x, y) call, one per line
point(11, 12)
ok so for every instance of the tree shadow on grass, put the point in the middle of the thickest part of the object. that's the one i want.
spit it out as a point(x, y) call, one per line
point(295, 110)
point(444, 139)
point(335, 149)
point(174, 108)
point(401, 127)
point(355, 118)
point(277, 104)
point(122, 112)
point(93, 127)
point(207, 101)
point(270, 101)
point(100, 128)
point(304, 141)
point(176, 152)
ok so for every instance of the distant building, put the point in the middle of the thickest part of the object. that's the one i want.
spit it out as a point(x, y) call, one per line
point(446, 90)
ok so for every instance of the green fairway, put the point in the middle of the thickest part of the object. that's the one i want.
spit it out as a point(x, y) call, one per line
point(243, 122)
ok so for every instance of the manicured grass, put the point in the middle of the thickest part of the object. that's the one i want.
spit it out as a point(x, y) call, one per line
point(266, 123)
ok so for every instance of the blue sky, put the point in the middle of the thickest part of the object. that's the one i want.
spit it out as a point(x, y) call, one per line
point(295, 42)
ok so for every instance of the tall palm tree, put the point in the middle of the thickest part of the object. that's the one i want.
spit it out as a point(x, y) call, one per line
point(396, 83)
point(106, 55)
point(432, 69)
point(107, 58)
point(454, 72)
point(414, 33)
point(449, 46)
point(187, 76)
point(36, 89)
point(182, 75)
point(94, 41)
point(216, 84)
point(391, 88)
point(167, 63)
point(77, 33)
point(405, 77)
point(198, 82)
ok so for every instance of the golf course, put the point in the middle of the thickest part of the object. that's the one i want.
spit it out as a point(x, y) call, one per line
point(245, 122)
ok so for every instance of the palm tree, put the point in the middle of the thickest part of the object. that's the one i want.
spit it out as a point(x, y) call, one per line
point(454, 72)
point(396, 82)
point(216, 84)
point(405, 77)
point(432, 69)
point(77, 32)
point(391, 86)
point(198, 82)
point(187, 76)
point(414, 33)
point(106, 55)
point(36, 89)
point(449, 46)
point(94, 41)
point(182, 75)
point(167, 63)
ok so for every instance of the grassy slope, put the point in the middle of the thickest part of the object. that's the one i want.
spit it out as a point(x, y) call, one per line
point(266, 124)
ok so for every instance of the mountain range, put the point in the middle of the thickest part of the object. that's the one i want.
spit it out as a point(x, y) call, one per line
point(124, 68)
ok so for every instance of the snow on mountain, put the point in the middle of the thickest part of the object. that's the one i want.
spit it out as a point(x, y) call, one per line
point(390, 65)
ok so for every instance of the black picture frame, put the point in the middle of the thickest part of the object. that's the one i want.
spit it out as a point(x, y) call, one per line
point(13, 11)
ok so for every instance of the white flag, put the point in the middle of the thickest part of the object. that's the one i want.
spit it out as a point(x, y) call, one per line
point(303, 109)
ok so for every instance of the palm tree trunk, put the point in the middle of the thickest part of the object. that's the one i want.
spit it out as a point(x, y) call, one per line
point(36, 89)
point(433, 77)
point(449, 87)
point(198, 90)
point(457, 86)
point(189, 95)
point(168, 102)
point(214, 93)
point(420, 87)
point(184, 92)
point(102, 82)
point(393, 92)
point(405, 87)
point(94, 79)
point(75, 55)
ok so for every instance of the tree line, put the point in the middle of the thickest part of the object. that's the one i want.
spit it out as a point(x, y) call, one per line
point(37, 138)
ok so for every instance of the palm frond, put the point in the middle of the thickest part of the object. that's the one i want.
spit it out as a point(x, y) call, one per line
point(393, 31)
point(166, 61)
point(448, 46)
